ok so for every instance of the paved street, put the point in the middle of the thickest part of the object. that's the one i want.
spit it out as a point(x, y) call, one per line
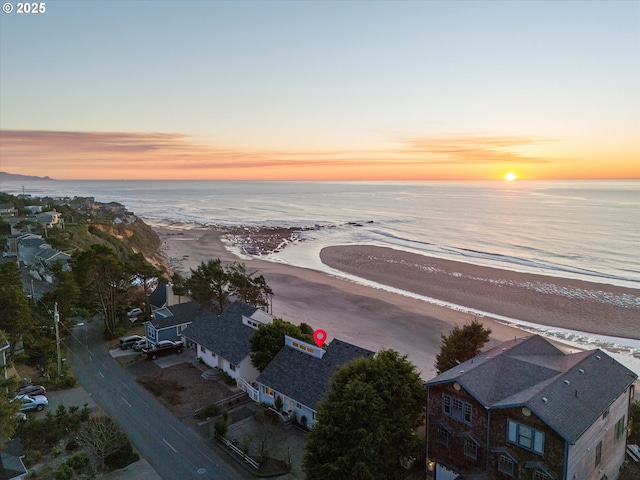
point(171, 448)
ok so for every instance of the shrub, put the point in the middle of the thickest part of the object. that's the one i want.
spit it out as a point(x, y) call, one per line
point(228, 379)
point(220, 428)
point(209, 411)
point(72, 445)
point(64, 472)
point(79, 461)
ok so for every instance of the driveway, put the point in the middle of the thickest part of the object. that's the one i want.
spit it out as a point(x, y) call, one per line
point(77, 396)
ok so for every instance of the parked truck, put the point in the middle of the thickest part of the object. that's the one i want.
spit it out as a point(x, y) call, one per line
point(163, 347)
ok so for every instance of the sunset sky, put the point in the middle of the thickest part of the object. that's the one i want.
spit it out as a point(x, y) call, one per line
point(321, 90)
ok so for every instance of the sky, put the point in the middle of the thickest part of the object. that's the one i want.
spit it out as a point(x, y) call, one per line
point(321, 90)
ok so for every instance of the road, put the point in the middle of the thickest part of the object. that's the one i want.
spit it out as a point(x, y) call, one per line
point(171, 448)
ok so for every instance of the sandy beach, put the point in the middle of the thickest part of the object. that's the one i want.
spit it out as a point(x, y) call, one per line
point(377, 319)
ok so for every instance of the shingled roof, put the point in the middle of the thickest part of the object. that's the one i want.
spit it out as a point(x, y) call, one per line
point(224, 334)
point(158, 298)
point(534, 373)
point(306, 378)
point(180, 313)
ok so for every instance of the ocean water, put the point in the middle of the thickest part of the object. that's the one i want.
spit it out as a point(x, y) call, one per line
point(578, 229)
point(589, 230)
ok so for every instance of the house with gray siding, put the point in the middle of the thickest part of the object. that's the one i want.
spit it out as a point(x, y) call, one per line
point(300, 375)
point(168, 323)
point(527, 410)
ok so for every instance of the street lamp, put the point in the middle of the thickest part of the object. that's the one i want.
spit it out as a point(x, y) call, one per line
point(56, 321)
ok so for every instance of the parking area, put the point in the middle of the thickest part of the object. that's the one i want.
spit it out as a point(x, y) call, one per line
point(76, 396)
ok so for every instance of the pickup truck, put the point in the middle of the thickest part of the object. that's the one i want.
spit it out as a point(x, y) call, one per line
point(163, 347)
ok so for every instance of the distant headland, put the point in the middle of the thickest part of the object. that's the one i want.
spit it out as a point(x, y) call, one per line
point(8, 177)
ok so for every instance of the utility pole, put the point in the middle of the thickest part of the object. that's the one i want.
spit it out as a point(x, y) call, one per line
point(56, 321)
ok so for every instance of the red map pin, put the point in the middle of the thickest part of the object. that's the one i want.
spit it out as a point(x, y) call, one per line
point(320, 336)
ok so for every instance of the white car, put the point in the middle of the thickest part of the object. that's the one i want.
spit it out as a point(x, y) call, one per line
point(140, 344)
point(37, 402)
point(133, 314)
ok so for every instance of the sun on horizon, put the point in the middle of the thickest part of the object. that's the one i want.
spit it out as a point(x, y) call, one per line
point(510, 177)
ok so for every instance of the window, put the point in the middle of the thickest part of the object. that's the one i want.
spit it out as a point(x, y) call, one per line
point(525, 437)
point(268, 391)
point(471, 448)
point(298, 405)
point(202, 349)
point(442, 435)
point(506, 465)
point(619, 430)
point(605, 414)
point(598, 453)
point(540, 475)
point(457, 409)
point(232, 367)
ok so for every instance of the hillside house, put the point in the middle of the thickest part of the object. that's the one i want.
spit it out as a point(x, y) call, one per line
point(527, 410)
point(300, 374)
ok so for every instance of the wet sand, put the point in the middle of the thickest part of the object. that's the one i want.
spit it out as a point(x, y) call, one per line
point(372, 317)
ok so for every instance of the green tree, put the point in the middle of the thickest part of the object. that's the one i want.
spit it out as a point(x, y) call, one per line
point(142, 271)
point(267, 341)
point(367, 424)
point(211, 284)
point(461, 344)
point(208, 285)
point(8, 409)
point(247, 287)
point(103, 281)
point(66, 293)
point(15, 311)
point(178, 283)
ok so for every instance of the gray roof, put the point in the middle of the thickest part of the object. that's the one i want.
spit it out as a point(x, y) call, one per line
point(12, 465)
point(224, 334)
point(180, 314)
point(534, 373)
point(158, 298)
point(306, 378)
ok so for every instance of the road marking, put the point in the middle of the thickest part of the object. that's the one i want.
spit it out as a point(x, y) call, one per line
point(101, 374)
point(169, 445)
point(125, 401)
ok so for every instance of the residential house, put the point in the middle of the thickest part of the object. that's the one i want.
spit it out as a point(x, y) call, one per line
point(11, 246)
point(222, 341)
point(49, 219)
point(7, 211)
point(300, 374)
point(163, 296)
point(11, 464)
point(45, 259)
point(527, 410)
point(29, 247)
point(169, 323)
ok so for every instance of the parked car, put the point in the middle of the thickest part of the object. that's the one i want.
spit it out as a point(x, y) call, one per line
point(32, 390)
point(140, 344)
point(163, 347)
point(133, 314)
point(37, 402)
point(129, 342)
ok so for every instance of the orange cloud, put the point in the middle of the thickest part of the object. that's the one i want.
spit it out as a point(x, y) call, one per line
point(113, 155)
